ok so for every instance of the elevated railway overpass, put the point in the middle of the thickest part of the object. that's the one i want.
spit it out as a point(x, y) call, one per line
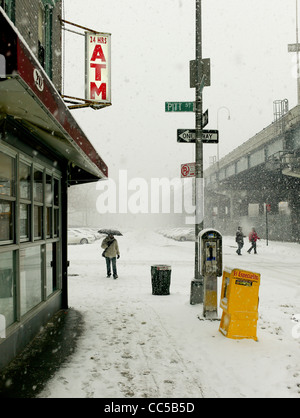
point(258, 184)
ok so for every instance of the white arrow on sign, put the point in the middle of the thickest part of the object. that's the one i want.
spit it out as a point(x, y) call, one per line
point(189, 135)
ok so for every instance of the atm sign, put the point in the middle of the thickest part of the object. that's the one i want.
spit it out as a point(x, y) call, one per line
point(98, 67)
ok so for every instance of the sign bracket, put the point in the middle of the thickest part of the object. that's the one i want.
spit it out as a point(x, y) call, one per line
point(62, 21)
point(75, 103)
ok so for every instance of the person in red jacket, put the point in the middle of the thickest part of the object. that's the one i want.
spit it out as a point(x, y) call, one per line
point(253, 237)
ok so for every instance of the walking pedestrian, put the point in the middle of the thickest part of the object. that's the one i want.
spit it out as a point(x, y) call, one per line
point(239, 238)
point(253, 237)
point(111, 253)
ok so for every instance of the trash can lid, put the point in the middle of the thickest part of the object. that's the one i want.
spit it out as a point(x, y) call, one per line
point(162, 267)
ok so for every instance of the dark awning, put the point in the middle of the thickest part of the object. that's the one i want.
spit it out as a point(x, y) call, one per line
point(28, 95)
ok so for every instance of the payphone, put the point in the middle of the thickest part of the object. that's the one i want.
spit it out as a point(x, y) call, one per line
point(211, 261)
point(210, 252)
point(210, 268)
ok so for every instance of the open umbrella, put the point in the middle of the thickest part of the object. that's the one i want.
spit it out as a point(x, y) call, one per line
point(110, 231)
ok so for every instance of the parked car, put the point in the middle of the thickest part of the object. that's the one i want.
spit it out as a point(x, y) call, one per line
point(96, 233)
point(90, 231)
point(79, 237)
point(185, 235)
point(179, 234)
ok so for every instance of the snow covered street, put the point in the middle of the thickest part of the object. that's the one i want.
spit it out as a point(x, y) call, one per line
point(137, 345)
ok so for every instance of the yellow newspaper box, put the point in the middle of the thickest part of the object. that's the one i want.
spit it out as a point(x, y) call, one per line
point(239, 301)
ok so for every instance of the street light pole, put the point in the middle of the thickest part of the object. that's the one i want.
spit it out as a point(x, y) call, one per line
point(199, 187)
point(296, 48)
point(218, 148)
point(297, 43)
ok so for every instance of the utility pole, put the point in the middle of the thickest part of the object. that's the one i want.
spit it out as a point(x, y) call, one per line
point(199, 186)
point(199, 78)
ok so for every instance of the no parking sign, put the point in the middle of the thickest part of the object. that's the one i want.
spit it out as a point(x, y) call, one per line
point(188, 170)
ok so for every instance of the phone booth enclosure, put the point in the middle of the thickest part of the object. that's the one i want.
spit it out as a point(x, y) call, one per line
point(210, 253)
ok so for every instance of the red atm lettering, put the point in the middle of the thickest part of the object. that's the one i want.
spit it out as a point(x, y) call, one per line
point(94, 89)
point(98, 54)
point(98, 90)
point(98, 68)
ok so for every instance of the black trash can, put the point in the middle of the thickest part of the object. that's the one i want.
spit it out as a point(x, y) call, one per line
point(161, 279)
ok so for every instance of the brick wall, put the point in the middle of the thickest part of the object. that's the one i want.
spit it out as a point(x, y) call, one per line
point(27, 13)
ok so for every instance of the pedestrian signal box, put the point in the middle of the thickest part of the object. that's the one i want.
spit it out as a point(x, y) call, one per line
point(239, 301)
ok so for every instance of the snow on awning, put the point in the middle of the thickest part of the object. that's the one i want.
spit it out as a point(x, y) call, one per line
point(28, 95)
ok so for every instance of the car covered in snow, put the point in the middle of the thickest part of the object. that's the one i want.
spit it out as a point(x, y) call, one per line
point(179, 234)
point(187, 234)
point(92, 231)
point(76, 236)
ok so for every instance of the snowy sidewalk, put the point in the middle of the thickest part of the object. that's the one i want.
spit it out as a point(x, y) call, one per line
point(136, 345)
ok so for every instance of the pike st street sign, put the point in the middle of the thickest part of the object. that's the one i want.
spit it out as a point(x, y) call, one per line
point(189, 136)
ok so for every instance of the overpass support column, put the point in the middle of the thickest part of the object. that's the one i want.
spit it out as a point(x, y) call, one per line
point(294, 203)
point(235, 201)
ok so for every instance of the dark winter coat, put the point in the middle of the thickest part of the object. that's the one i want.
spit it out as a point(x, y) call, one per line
point(239, 237)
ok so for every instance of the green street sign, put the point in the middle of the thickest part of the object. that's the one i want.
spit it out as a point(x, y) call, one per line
point(179, 107)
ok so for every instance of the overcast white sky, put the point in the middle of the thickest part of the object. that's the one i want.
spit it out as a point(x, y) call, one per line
point(152, 44)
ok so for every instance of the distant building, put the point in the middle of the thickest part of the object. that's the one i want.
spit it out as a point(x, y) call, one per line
point(43, 151)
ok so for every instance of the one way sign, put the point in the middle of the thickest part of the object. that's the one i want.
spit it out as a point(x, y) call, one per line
point(189, 136)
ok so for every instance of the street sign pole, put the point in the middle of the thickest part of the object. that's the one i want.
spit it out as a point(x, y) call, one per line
point(199, 188)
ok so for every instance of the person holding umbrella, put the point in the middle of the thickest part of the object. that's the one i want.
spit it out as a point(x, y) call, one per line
point(111, 253)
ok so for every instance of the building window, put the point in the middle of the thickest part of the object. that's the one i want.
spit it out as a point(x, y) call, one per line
point(48, 40)
point(38, 222)
point(8, 287)
point(9, 6)
point(49, 222)
point(25, 181)
point(29, 219)
point(49, 205)
point(38, 186)
point(51, 268)
point(7, 197)
point(45, 23)
point(31, 278)
point(41, 35)
point(6, 175)
point(25, 222)
point(56, 192)
point(56, 208)
point(6, 221)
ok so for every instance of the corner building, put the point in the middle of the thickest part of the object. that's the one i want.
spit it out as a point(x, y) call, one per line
point(43, 152)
